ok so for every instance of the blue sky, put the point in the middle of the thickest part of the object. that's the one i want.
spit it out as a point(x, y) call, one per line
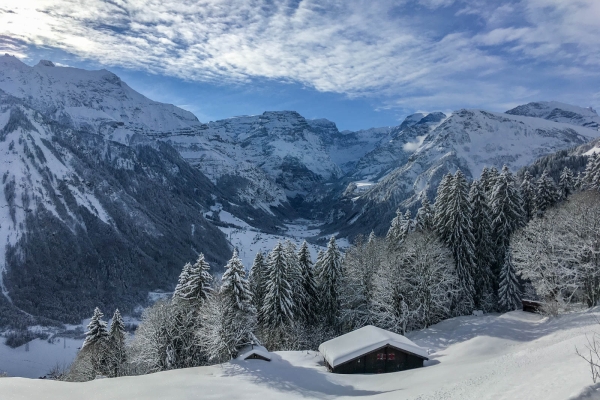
point(358, 63)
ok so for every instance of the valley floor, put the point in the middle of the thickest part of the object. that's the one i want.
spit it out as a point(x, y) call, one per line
point(509, 356)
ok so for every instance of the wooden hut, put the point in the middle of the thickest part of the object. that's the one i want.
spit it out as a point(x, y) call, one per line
point(254, 352)
point(371, 350)
point(532, 306)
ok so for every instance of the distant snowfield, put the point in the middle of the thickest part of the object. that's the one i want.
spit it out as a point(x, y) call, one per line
point(510, 356)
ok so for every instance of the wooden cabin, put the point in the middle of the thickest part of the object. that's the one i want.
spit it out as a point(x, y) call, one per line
point(254, 352)
point(532, 306)
point(371, 350)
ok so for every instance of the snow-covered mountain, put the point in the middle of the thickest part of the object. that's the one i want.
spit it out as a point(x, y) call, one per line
point(96, 100)
point(559, 112)
point(469, 140)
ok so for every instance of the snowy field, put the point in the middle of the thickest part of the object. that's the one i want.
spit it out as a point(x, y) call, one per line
point(510, 356)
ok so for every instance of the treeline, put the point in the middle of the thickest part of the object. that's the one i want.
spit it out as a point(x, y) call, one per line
point(479, 246)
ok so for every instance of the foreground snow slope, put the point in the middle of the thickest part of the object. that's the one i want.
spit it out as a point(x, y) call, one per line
point(510, 356)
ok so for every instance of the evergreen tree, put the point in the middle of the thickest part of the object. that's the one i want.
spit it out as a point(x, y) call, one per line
point(488, 180)
point(442, 202)
point(278, 306)
point(235, 288)
point(309, 304)
point(295, 277)
point(567, 183)
point(507, 214)
point(116, 345)
point(184, 276)
point(546, 193)
point(591, 174)
point(482, 235)
point(394, 234)
point(460, 238)
point(329, 277)
point(424, 219)
point(528, 196)
point(509, 295)
point(96, 330)
point(258, 279)
point(197, 283)
point(372, 237)
point(407, 226)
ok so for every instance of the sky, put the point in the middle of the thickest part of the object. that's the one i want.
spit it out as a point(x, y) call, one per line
point(358, 63)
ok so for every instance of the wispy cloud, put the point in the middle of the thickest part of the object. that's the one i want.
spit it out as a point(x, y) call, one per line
point(358, 48)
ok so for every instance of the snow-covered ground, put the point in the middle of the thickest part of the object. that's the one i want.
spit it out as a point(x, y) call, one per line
point(510, 356)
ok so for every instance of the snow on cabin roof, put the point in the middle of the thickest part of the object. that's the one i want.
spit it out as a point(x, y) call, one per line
point(364, 340)
point(249, 350)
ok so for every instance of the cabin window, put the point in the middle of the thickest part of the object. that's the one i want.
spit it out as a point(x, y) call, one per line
point(391, 356)
point(381, 356)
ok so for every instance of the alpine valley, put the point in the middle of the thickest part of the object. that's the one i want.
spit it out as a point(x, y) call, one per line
point(106, 194)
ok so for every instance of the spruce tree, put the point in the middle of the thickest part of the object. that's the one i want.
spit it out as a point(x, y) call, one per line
point(195, 283)
point(235, 288)
point(295, 277)
point(546, 193)
point(528, 196)
point(394, 234)
point(258, 279)
point(407, 226)
point(310, 304)
point(509, 295)
point(484, 248)
point(372, 237)
point(460, 238)
point(116, 345)
point(507, 214)
point(591, 174)
point(442, 202)
point(96, 330)
point(329, 278)
point(424, 219)
point(278, 306)
point(567, 183)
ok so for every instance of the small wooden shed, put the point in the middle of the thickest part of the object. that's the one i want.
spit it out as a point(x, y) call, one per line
point(371, 350)
point(254, 352)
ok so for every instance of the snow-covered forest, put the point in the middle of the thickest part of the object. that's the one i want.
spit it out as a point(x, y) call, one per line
point(476, 247)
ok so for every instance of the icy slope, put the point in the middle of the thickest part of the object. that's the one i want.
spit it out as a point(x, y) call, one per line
point(96, 100)
point(509, 356)
point(559, 112)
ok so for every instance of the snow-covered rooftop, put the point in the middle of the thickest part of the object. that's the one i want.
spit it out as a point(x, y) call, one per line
point(249, 350)
point(364, 340)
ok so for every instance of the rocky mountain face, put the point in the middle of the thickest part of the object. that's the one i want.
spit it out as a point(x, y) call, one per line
point(469, 140)
point(559, 112)
point(105, 194)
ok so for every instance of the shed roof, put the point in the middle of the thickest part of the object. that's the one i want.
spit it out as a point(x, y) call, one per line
point(249, 350)
point(364, 340)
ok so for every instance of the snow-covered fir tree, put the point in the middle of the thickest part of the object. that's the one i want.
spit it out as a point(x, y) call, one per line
point(278, 306)
point(482, 234)
point(546, 193)
point(258, 279)
point(295, 274)
point(407, 225)
point(459, 237)
point(194, 282)
point(566, 183)
point(117, 352)
point(424, 218)
point(235, 288)
point(310, 300)
point(488, 179)
point(442, 201)
point(395, 232)
point(96, 330)
point(528, 196)
point(507, 214)
point(329, 277)
point(591, 177)
point(509, 294)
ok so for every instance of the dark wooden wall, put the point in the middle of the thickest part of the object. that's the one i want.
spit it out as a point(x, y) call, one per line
point(386, 359)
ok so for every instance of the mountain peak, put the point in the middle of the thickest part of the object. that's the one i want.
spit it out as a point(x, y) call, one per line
point(45, 63)
point(559, 112)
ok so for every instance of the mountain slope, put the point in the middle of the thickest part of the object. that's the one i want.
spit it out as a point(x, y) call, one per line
point(559, 112)
point(86, 221)
point(469, 140)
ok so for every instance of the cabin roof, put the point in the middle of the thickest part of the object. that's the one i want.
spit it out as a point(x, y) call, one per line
point(365, 340)
point(249, 350)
